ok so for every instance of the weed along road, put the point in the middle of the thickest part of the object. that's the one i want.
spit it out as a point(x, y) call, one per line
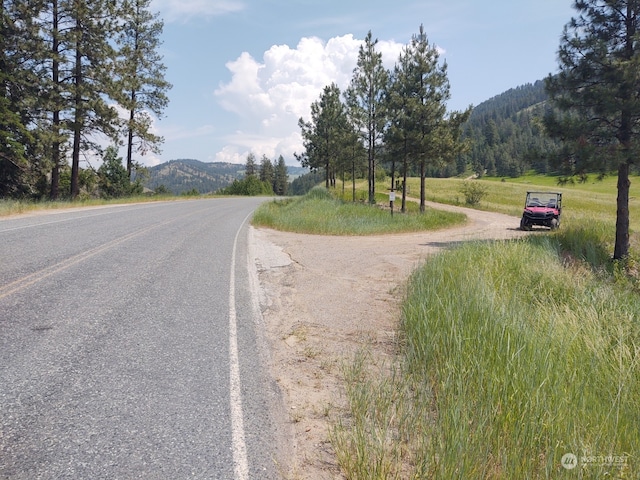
point(130, 345)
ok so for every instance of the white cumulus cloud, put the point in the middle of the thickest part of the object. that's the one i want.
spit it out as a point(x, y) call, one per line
point(271, 94)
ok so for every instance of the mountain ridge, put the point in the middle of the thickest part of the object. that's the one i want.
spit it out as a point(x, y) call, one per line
point(505, 132)
point(187, 174)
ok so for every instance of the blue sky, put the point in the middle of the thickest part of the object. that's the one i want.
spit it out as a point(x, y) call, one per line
point(244, 71)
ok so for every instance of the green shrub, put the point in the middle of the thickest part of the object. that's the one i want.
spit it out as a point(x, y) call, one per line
point(319, 193)
point(474, 192)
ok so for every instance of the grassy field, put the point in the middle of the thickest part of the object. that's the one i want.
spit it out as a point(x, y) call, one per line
point(594, 200)
point(319, 212)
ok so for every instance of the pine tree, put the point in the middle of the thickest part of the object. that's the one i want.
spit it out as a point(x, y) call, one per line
point(250, 166)
point(324, 134)
point(267, 173)
point(597, 89)
point(281, 177)
point(19, 88)
point(113, 178)
point(80, 65)
point(56, 30)
point(355, 155)
point(365, 100)
point(141, 86)
point(397, 138)
point(92, 59)
point(427, 97)
point(56, 102)
point(420, 127)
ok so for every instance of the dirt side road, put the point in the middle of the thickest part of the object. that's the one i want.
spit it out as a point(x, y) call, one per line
point(323, 299)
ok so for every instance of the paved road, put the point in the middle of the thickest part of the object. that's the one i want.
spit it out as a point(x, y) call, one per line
point(130, 345)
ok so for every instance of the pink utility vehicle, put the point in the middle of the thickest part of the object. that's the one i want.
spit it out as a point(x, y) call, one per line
point(542, 209)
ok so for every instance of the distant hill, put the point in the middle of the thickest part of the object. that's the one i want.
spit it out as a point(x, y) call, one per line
point(183, 175)
point(180, 176)
point(506, 133)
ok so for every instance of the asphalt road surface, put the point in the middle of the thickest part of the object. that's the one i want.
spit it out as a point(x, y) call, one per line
point(130, 345)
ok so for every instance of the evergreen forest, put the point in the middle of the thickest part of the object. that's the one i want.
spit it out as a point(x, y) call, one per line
point(79, 79)
point(506, 135)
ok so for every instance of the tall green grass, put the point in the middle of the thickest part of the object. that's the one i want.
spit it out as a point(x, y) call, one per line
point(512, 358)
point(319, 212)
point(526, 362)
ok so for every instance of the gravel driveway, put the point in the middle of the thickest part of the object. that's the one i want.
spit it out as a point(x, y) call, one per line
point(326, 297)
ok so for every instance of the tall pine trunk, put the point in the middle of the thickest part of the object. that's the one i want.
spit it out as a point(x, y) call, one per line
point(621, 249)
point(55, 77)
point(78, 113)
point(372, 167)
point(327, 163)
point(353, 175)
point(405, 166)
point(422, 186)
point(130, 138)
point(55, 157)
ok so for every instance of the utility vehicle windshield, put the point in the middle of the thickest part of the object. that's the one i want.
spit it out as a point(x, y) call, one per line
point(542, 199)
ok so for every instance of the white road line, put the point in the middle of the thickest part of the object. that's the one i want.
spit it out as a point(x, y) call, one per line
point(112, 210)
point(239, 447)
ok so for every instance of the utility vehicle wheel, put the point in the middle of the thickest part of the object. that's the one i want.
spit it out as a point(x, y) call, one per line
point(524, 226)
point(554, 224)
